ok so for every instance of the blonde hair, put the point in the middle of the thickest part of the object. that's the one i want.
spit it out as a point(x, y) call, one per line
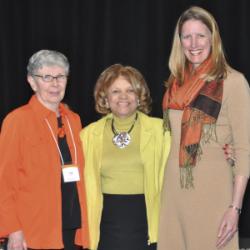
point(133, 76)
point(178, 61)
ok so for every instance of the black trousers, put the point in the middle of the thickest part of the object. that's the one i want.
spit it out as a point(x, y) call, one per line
point(3, 243)
point(124, 223)
point(69, 239)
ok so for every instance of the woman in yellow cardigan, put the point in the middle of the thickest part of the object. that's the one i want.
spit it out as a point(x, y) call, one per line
point(125, 154)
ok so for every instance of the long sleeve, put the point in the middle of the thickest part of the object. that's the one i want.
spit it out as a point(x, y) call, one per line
point(9, 183)
point(238, 101)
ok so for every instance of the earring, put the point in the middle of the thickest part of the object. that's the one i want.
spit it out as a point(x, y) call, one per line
point(106, 103)
point(138, 102)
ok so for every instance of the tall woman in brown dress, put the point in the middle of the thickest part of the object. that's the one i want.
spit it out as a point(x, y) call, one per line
point(206, 106)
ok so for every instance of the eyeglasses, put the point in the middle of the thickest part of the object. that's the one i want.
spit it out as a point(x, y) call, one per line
point(50, 78)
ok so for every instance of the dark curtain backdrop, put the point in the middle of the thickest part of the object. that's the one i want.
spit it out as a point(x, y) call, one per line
point(94, 34)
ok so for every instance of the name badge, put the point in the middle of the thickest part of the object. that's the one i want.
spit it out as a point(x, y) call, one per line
point(70, 173)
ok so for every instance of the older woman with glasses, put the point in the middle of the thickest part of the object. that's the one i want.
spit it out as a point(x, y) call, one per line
point(42, 201)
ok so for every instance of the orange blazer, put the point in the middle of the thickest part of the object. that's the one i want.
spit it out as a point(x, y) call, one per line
point(30, 176)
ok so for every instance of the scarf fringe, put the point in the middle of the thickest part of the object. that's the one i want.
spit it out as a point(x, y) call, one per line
point(208, 133)
point(186, 172)
point(166, 120)
point(186, 177)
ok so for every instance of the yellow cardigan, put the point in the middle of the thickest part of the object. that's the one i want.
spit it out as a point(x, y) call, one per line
point(154, 148)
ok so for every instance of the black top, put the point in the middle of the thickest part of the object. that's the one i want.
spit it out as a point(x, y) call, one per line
point(71, 213)
point(244, 222)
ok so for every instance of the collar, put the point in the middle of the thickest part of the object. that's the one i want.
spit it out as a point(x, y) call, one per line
point(146, 125)
point(44, 112)
point(124, 123)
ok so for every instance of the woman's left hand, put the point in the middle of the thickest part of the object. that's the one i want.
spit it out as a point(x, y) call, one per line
point(228, 227)
point(229, 154)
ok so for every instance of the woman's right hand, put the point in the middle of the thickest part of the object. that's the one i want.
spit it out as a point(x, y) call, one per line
point(16, 241)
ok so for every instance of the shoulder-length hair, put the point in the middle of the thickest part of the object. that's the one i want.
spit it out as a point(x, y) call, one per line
point(133, 76)
point(178, 61)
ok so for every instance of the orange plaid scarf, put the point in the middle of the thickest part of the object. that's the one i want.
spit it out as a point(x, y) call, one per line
point(201, 103)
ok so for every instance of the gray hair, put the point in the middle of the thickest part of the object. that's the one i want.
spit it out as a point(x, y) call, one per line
point(47, 58)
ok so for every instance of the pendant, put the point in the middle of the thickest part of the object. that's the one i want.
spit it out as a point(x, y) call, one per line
point(122, 140)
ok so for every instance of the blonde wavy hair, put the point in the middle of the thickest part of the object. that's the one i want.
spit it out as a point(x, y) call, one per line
point(178, 61)
point(133, 76)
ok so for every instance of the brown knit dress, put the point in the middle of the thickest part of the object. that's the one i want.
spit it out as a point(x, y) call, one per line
point(190, 218)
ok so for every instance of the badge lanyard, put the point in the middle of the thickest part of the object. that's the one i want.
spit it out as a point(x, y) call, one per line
point(55, 140)
point(70, 172)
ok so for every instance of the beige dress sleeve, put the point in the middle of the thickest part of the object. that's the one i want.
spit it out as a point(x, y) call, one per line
point(237, 98)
